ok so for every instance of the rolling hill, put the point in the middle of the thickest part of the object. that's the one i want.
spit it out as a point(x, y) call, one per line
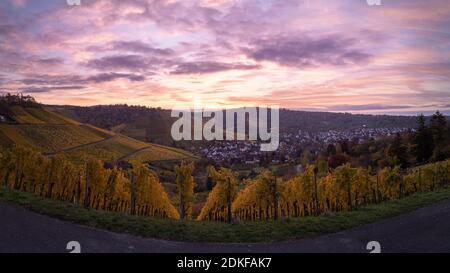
point(153, 124)
point(142, 123)
point(39, 128)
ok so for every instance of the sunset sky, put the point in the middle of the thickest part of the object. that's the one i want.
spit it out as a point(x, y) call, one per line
point(310, 55)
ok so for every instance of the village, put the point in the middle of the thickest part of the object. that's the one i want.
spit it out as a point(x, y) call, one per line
point(290, 148)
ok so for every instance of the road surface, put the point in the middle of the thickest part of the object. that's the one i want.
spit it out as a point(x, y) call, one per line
point(423, 230)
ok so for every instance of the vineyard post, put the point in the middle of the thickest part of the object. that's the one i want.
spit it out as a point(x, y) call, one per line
point(316, 195)
point(349, 189)
point(275, 201)
point(78, 190)
point(49, 182)
point(420, 179)
point(87, 188)
point(434, 177)
point(446, 173)
point(133, 195)
point(229, 200)
point(377, 199)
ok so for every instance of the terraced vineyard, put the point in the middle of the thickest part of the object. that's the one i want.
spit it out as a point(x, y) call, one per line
point(45, 131)
point(48, 132)
point(12, 136)
point(37, 115)
point(109, 150)
point(157, 153)
point(53, 138)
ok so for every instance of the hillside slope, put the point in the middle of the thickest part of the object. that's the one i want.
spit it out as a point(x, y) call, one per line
point(145, 124)
point(41, 129)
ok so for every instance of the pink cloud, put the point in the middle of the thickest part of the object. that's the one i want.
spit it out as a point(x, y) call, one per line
point(298, 54)
point(18, 3)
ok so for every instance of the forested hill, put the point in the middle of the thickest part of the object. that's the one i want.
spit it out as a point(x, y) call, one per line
point(325, 121)
point(143, 123)
point(153, 124)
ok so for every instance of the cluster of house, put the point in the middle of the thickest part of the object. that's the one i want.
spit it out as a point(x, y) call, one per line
point(334, 136)
point(290, 148)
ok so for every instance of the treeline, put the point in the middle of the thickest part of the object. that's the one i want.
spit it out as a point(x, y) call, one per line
point(108, 116)
point(130, 189)
point(432, 142)
point(7, 100)
point(325, 121)
point(429, 142)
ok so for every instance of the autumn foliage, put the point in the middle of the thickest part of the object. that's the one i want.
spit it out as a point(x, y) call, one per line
point(185, 185)
point(136, 190)
point(219, 204)
point(345, 188)
point(133, 188)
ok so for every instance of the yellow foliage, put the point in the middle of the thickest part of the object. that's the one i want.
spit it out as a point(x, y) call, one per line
point(90, 185)
point(218, 205)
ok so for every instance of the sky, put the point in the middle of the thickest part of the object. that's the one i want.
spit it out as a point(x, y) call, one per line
point(343, 56)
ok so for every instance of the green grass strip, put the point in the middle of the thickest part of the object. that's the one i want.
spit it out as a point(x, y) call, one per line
point(257, 231)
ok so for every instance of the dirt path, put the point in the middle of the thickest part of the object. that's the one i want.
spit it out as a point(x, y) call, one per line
point(80, 146)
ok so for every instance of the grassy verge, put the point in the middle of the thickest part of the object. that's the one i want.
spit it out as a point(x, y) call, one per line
point(221, 232)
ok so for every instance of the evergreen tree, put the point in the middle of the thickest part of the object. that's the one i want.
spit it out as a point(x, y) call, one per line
point(331, 150)
point(398, 152)
point(423, 141)
point(438, 128)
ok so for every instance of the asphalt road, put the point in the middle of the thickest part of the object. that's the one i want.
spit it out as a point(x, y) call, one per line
point(423, 230)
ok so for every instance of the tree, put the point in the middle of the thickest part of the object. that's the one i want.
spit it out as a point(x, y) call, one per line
point(18, 99)
point(398, 152)
point(322, 168)
point(331, 150)
point(343, 183)
point(337, 160)
point(246, 206)
point(220, 199)
point(260, 198)
point(185, 184)
point(441, 137)
point(423, 141)
point(307, 157)
point(150, 198)
point(60, 179)
point(267, 189)
point(363, 187)
point(438, 128)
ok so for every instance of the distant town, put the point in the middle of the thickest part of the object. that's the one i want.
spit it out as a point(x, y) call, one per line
point(291, 145)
